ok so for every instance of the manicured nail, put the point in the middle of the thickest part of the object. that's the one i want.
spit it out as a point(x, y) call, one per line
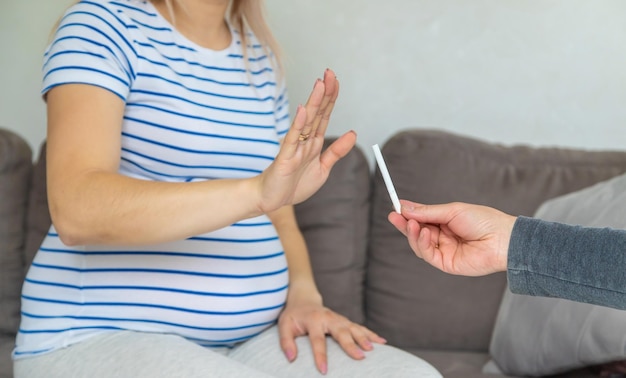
point(323, 369)
point(290, 355)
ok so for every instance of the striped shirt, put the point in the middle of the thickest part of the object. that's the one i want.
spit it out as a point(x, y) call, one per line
point(191, 114)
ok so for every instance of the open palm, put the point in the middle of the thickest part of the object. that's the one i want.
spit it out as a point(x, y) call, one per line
point(300, 168)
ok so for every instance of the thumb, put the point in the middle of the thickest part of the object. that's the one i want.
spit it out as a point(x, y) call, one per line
point(433, 214)
point(338, 149)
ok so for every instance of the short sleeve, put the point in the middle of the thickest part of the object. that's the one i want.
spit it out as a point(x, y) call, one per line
point(92, 45)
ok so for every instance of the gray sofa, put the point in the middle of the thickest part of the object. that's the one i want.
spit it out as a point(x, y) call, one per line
point(362, 265)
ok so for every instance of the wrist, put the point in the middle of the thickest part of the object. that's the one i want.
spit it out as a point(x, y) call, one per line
point(252, 190)
point(266, 198)
point(303, 291)
point(503, 255)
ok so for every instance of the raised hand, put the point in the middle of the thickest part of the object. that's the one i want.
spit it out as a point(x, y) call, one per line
point(457, 238)
point(300, 168)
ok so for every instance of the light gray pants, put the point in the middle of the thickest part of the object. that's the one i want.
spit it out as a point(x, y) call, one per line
point(137, 355)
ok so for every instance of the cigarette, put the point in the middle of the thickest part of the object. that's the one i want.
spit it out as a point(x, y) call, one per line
point(388, 183)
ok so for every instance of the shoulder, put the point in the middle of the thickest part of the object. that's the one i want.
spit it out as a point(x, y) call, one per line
point(122, 16)
point(94, 43)
point(99, 25)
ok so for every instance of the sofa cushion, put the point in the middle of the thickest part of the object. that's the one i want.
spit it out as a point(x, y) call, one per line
point(334, 222)
point(411, 303)
point(15, 174)
point(539, 336)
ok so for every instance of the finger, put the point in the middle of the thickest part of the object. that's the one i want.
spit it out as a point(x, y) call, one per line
point(313, 105)
point(330, 88)
point(409, 204)
point(413, 235)
point(291, 140)
point(398, 221)
point(373, 336)
point(338, 149)
point(347, 340)
point(304, 115)
point(426, 243)
point(422, 242)
point(435, 214)
point(287, 341)
point(330, 98)
point(364, 338)
point(318, 345)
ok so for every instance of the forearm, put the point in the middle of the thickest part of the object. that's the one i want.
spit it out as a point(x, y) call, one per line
point(571, 262)
point(108, 208)
point(91, 203)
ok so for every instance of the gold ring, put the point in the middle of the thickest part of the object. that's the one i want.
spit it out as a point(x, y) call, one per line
point(303, 137)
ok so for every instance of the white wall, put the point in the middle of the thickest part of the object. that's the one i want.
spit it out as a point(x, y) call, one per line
point(24, 29)
point(541, 72)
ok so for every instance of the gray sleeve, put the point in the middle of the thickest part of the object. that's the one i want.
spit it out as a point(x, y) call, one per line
point(578, 263)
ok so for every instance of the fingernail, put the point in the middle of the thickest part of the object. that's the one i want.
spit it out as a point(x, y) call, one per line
point(323, 369)
point(290, 355)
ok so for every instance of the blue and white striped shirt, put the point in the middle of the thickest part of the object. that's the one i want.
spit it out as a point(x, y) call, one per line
point(191, 114)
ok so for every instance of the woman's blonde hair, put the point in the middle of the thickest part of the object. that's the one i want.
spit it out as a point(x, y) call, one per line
point(250, 14)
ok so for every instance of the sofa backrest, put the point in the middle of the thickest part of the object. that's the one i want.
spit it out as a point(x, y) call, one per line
point(414, 305)
point(363, 267)
point(15, 177)
point(335, 224)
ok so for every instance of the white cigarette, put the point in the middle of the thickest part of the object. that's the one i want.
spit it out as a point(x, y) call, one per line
point(388, 183)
